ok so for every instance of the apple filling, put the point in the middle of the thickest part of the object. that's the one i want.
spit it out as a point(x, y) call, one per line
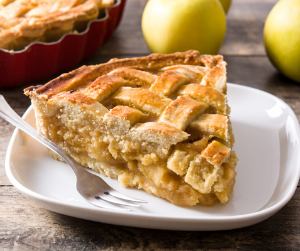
point(110, 145)
point(159, 123)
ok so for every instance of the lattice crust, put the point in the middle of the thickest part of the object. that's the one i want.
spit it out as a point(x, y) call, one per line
point(25, 21)
point(160, 123)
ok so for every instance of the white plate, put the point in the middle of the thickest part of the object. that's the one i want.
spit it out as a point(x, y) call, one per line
point(267, 144)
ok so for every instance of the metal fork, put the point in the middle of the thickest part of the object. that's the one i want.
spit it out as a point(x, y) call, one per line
point(90, 186)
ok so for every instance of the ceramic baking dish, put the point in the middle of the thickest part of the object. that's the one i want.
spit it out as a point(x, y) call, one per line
point(42, 60)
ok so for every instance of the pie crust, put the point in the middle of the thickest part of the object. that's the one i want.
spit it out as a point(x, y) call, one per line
point(159, 123)
point(25, 21)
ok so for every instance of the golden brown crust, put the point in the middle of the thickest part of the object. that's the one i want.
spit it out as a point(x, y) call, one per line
point(216, 78)
point(161, 128)
point(76, 97)
point(143, 99)
point(215, 99)
point(168, 82)
point(212, 124)
point(216, 153)
point(126, 113)
point(140, 78)
point(104, 86)
point(181, 112)
point(79, 77)
point(159, 122)
point(74, 78)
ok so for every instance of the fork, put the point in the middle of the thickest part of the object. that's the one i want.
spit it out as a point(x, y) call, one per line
point(91, 187)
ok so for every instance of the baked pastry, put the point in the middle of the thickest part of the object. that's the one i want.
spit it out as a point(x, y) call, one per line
point(25, 21)
point(159, 123)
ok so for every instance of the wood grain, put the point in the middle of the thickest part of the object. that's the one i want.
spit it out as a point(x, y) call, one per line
point(245, 23)
point(25, 226)
point(244, 36)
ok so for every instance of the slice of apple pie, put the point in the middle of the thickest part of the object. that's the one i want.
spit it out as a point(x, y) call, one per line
point(158, 123)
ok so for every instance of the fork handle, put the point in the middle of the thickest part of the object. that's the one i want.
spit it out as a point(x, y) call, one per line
point(8, 114)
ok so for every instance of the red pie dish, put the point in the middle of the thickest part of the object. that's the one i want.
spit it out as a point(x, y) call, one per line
point(42, 60)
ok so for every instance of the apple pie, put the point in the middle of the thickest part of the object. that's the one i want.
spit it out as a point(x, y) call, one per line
point(25, 21)
point(159, 123)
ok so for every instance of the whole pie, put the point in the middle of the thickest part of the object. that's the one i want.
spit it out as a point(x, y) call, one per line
point(25, 21)
point(159, 123)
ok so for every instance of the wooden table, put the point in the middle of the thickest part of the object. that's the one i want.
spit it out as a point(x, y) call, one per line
point(25, 226)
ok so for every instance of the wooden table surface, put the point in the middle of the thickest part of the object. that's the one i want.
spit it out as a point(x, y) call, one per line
point(25, 226)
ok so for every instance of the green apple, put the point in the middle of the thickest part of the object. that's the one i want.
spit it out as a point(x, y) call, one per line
point(282, 38)
point(226, 4)
point(180, 25)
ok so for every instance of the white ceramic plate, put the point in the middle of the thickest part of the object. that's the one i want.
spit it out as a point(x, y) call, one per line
point(267, 144)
